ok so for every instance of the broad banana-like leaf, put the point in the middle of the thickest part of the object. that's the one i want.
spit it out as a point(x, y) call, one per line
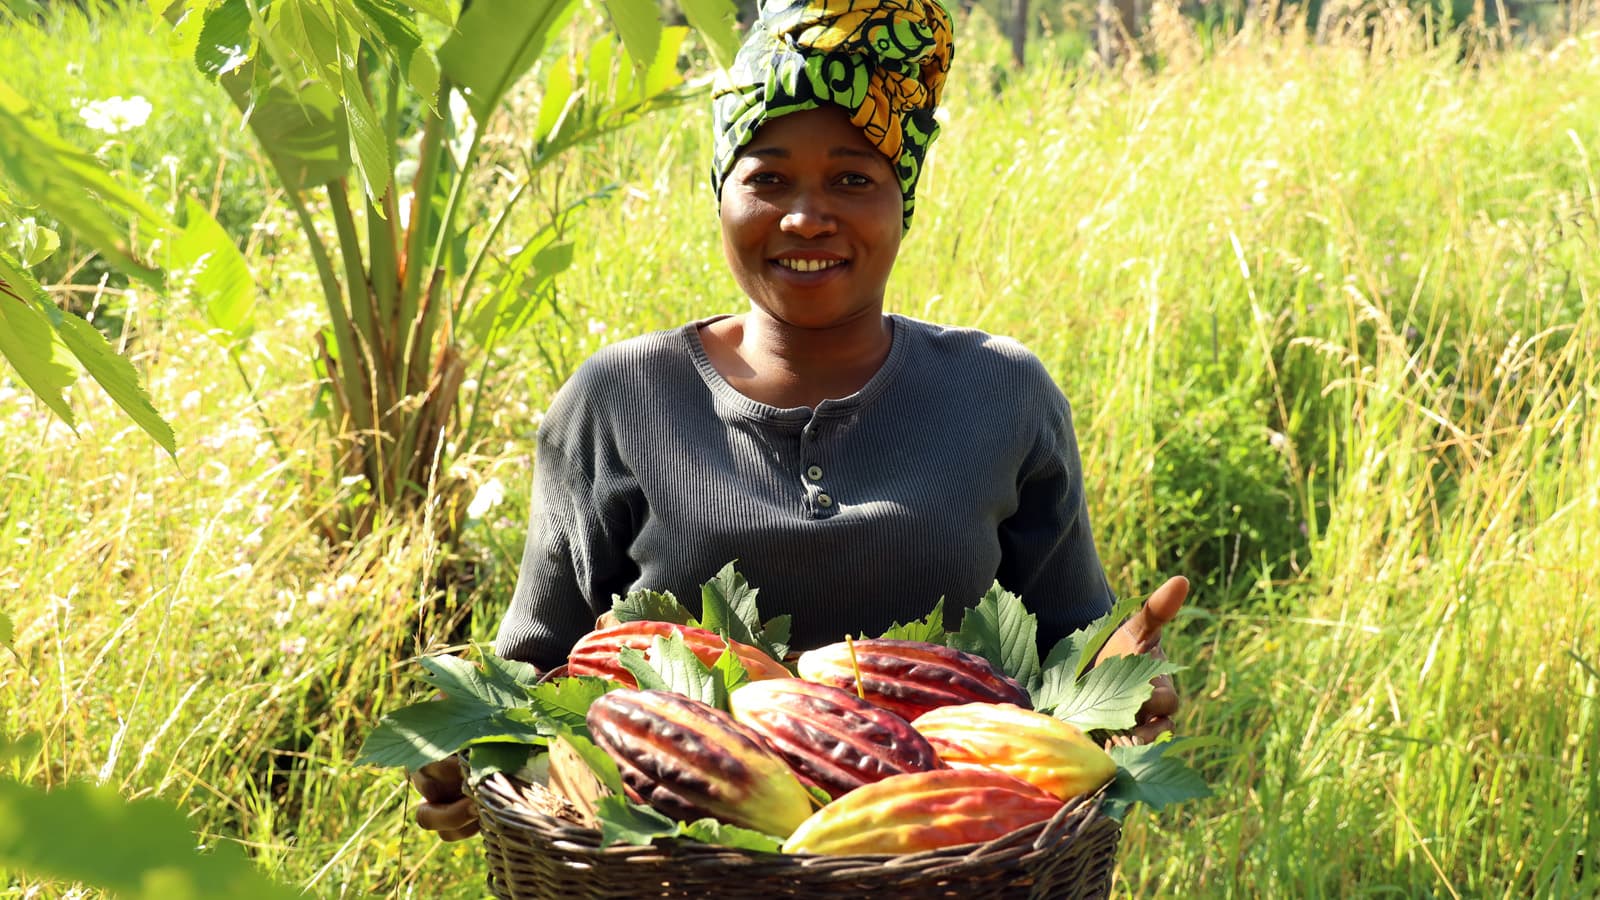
point(638, 23)
point(714, 20)
point(37, 339)
point(205, 262)
point(495, 43)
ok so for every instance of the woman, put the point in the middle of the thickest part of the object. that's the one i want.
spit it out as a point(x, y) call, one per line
point(857, 465)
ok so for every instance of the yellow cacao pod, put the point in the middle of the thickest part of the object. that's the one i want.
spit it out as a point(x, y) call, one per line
point(1038, 748)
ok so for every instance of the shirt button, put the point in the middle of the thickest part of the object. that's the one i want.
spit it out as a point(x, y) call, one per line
point(824, 501)
point(814, 473)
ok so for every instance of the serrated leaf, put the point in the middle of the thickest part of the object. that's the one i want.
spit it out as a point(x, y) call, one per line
point(728, 607)
point(711, 831)
point(730, 671)
point(369, 142)
point(1148, 774)
point(625, 822)
point(422, 733)
point(498, 757)
point(1075, 653)
point(28, 340)
point(929, 629)
point(714, 19)
point(651, 606)
point(1001, 630)
point(512, 674)
point(644, 674)
point(116, 375)
point(638, 22)
point(566, 701)
point(685, 673)
point(1109, 696)
point(461, 679)
point(495, 42)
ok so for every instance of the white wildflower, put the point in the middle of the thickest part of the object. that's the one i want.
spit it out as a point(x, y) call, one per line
point(115, 115)
point(487, 498)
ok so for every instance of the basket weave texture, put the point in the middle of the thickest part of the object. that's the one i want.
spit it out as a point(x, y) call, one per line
point(537, 849)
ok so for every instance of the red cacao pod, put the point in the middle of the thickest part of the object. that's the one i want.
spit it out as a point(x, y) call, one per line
point(923, 811)
point(596, 653)
point(911, 677)
point(1040, 749)
point(690, 760)
point(830, 737)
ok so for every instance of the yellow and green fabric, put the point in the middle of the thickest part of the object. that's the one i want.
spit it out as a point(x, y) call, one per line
point(883, 61)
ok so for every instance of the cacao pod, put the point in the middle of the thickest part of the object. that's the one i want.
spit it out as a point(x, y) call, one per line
point(911, 677)
point(1040, 749)
point(596, 653)
point(923, 811)
point(690, 760)
point(831, 738)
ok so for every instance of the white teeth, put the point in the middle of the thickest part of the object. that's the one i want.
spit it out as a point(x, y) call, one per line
point(809, 265)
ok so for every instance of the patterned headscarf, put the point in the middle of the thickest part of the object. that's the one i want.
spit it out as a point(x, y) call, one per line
point(883, 61)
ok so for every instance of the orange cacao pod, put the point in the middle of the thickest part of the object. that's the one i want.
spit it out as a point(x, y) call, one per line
point(911, 677)
point(923, 811)
point(596, 653)
point(830, 737)
point(1044, 751)
point(690, 760)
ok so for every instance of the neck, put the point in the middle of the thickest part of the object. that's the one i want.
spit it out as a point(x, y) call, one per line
point(786, 366)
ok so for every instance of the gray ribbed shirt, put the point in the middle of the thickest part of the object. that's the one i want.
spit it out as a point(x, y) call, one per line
point(954, 466)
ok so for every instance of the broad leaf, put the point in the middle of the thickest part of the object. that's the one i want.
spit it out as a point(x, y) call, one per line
point(205, 262)
point(28, 339)
point(625, 822)
point(565, 701)
point(304, 133)
point(494, 44)
point(494, 757)
point(1001, 630)
point(638, 22)
point(461, 679)
point(224, 43)
point(651, 606)
point(728, 607)
point(684, 673)
point(81, 195)
point(427, 732)
point(368, 141)
point(714, 19)
point(1110, 695)
point(645, 676)
point(1075, 653)
point(729, 670)
point(510, 673)
point(143, 849)
point(117, 376)
point(929, 629)
point(1148, 774)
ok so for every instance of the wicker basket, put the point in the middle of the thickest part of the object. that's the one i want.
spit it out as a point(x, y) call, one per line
point(537, 848)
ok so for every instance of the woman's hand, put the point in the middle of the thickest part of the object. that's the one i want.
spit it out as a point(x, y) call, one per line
point(1142, 634)
point(445, 809)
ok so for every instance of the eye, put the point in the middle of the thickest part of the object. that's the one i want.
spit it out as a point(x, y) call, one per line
point(855, 179)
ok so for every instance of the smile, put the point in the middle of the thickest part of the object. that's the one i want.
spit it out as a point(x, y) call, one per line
point(809, 265)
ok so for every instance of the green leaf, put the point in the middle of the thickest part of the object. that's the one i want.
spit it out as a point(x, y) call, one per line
point(494, 44)
point(728, 607)
point(117, 376)
point(225, 43)
point(462, 679)
point(28, 339)
point(142, 849)
point(1109, 695)
point(566, 701)
point(1075, 653)
point(638, 22)
point(514, 675)
point(598, 761)
point(714, 19)
point(494, 757)
point(30, 243)
point(625, 822)
point(1148, 774)
point(1001, 630)
point(304, 133)
point(74, 188)
point(368, 141)
point(651, 606)
point(729, 670)
point(8, 631)
point(206, 262)
point(422, 733)
point(929, 629)
point(645, 675)
point(683, 672)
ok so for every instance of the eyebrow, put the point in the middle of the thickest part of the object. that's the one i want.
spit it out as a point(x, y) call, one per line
point(834, 153)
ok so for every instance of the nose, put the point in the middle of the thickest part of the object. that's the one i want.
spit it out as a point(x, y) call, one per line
point(808, 216)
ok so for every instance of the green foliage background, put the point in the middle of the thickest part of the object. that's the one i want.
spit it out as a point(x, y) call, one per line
point(1327, 319)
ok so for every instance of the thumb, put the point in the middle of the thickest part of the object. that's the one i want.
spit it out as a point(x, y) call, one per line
point(1159, 610)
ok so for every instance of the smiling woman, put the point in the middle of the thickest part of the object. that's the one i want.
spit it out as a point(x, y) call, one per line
point(859, 466)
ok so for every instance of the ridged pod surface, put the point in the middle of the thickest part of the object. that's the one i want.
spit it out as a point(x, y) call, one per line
point(923, 811)
point(690, 760)
point(596, 653)
point(831, 737)
point(1042, 750)
point(911, 677)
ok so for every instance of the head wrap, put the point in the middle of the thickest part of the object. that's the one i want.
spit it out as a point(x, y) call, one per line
point(883, 61)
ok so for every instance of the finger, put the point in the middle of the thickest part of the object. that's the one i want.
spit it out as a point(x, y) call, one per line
point(1148, 732)
point(459, 834)
point(1158, 611)
point(437, 783)
point(442, 817)
point(1163, 702)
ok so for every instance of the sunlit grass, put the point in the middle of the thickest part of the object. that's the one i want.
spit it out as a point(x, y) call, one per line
point(1327, 321)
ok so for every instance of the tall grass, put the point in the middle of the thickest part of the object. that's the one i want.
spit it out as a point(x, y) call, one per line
point(1327, 320)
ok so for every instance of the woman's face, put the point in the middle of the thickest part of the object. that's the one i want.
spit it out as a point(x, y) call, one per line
point(811, 220)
